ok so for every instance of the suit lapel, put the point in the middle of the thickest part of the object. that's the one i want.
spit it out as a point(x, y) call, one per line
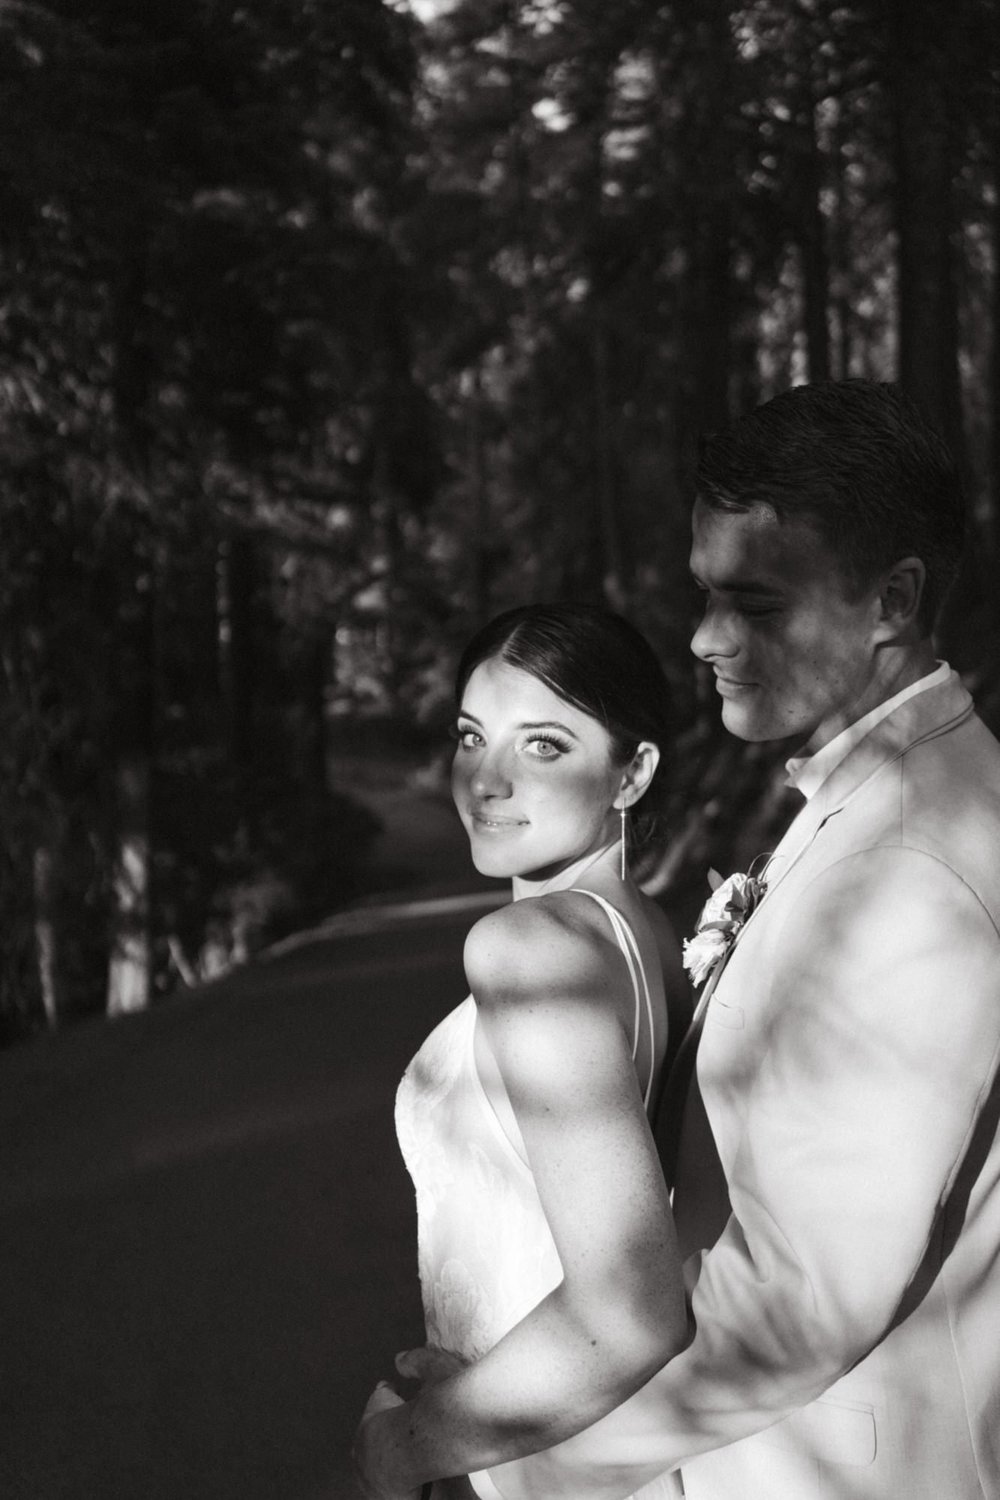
point(930, 713)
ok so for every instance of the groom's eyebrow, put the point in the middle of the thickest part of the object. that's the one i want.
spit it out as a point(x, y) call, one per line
point(738, 585)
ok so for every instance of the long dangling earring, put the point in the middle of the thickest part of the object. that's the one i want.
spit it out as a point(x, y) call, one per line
point(624, 841)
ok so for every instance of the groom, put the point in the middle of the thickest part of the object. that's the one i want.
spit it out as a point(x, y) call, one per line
point(838, 1168)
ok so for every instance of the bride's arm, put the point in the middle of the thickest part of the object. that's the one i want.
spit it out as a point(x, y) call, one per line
point(618, 1315)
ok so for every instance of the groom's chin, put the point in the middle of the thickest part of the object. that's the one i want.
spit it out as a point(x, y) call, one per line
point(746, 724)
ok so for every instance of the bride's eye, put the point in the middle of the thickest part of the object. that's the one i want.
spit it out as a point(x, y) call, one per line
point(547, 747)
point(467, 737)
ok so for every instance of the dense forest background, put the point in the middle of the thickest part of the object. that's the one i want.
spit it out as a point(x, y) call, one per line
point(328, 330)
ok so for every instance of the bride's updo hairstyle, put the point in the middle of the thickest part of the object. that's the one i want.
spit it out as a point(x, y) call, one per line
point(599, 663)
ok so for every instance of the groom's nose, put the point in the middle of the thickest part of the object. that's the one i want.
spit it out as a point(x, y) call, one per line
point(713, 638)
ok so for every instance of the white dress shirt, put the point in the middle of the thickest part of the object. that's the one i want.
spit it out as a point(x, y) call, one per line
point(807, 773)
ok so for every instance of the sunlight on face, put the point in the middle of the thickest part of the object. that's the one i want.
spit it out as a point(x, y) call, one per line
point(533, 777)
point(793, 648)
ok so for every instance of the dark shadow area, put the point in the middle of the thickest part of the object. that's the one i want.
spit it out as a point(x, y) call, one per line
point(207, 1251)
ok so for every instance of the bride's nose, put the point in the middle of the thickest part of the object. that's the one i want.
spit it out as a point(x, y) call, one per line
point(491, 777)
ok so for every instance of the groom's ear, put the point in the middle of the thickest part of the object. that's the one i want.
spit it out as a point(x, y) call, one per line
point(638, 773)
point(899, 598)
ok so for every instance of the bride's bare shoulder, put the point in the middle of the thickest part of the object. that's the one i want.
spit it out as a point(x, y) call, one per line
point(532, 943)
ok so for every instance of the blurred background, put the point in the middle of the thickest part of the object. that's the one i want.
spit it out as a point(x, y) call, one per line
point(326, 332)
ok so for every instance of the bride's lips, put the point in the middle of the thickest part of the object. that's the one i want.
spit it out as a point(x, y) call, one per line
point(492, 823)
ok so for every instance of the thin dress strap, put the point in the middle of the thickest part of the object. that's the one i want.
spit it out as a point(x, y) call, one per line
point(630, 951)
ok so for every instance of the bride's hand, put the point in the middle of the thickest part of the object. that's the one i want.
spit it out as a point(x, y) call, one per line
point(428, 1366)
point(370, 1455)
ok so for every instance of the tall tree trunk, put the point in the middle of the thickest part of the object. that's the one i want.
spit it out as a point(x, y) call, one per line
point(925, 214)
point(130, 961)
point(706, 333)
point(812, 246)
point(601, 566)
point(479, 499)
point(308, 711)
point(923, 80)
point(609, 523)
point(130, 968)
point(840, 255)
point(132, 738)
point(44, 868)
point(237, 585)
point(133, 588)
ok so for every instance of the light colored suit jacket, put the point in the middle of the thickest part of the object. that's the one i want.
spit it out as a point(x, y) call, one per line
point(846, 1293)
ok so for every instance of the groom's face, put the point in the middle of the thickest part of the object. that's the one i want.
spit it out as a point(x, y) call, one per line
point(792, 644)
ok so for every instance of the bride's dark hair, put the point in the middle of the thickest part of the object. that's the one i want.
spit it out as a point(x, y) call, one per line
point(598, 662)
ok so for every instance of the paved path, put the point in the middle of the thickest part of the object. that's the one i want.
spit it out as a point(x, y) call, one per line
point(206, 1235)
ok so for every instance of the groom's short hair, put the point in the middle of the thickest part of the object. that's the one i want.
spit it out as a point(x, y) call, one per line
point(858, 459)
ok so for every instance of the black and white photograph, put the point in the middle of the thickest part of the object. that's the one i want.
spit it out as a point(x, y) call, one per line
point(499, 764)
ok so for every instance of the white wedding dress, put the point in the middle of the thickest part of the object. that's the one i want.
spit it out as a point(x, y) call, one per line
point(485, 1251)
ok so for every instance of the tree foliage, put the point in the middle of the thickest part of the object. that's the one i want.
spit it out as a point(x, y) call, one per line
point(325, 332)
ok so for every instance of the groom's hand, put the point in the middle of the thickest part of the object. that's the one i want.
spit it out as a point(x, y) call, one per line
point(370, 1452)
point(382, 1398)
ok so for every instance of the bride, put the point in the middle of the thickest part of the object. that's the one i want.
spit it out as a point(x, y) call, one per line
point(549, 1270)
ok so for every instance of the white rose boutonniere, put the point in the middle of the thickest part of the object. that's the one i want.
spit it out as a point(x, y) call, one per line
point(731, 903)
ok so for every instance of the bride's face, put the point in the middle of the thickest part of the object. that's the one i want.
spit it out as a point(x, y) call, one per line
point(533, 778)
